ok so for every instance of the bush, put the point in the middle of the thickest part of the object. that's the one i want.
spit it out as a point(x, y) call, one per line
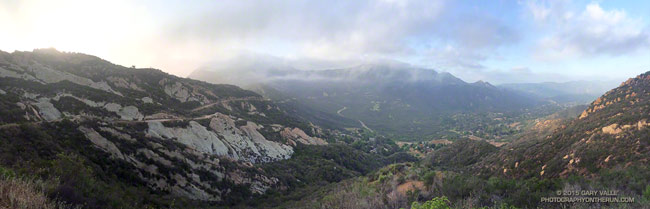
point(435, 203)
point(25, 193)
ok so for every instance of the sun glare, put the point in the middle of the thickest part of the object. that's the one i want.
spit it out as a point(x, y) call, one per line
point(79, 26)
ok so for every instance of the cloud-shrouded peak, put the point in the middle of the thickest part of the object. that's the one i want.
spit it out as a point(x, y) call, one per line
point(474, 40)
point(240, 70)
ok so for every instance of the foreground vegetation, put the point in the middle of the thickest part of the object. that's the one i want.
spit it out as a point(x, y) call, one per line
point(26, 193)
point(413, 185)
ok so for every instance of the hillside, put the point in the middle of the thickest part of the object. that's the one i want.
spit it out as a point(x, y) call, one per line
point(100, 126)
point(603, 147)
point(612, 133)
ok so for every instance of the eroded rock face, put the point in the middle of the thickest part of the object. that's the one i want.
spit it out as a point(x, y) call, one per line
point(247, 143)
point(101, 142)
point(130, 113)
point(47, 110)
point(4, 73)
point(223, 138)
point(126, 113)
point(177, 91)
point(44, 74)
point(124, 83)
point(298, 135)
point(181, 92)
point(200, 159)
point(182, 172)
point(195, 136)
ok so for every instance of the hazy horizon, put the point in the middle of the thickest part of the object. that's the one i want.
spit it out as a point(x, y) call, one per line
point(498, 42)
point(346, 104)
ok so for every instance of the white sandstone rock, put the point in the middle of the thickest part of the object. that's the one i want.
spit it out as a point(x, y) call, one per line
point(225, 139)
point(47, 110)
point(299, 135)
point(147, 100)
point(48, 75)
point(101, 142)
point(194, 136)
point(247, 143)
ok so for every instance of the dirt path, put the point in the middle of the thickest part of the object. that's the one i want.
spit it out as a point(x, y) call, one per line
point(163, 119)
point(8, 125)
point(228, 100)
point(364, 126)
point(341, 110)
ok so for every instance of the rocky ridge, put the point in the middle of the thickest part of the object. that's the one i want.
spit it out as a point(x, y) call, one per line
point(183, 136)
point(612, 133)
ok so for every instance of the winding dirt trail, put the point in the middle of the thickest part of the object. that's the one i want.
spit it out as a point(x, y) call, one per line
point(229, 100)
point(341, 110)
point(362, 124)
point(366, 127)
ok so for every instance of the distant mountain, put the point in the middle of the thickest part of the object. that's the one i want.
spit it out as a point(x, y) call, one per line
point(571, 93)
point(613, 134)
point(392, 98)
point(602, 147)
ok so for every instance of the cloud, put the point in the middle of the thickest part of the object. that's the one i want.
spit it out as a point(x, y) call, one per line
point(480, 32)
point(460, 37)
point(592, 32)
point(345, 30)
point(468, 41)
point(335, 29)
point(179, 37)
point(517, 74)
point(453, 58)
point(546, 11)
point(521, 69)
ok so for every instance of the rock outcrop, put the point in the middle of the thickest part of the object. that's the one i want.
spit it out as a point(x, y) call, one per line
point(297, 135)
point(101, 142)
point(224, 138)
point(44, 74)
point(198, 140)
point(47, 110)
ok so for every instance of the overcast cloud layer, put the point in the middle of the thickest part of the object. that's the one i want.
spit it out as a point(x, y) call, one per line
point(497, 41)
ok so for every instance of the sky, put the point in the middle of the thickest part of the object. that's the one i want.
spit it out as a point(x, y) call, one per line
point(496, 41)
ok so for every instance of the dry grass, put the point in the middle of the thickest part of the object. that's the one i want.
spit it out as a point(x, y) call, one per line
point(410, 186)
point(19, 193)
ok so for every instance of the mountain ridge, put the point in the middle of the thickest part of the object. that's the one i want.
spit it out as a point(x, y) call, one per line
point(613, 129)
point(173, 135)
point(390, 98)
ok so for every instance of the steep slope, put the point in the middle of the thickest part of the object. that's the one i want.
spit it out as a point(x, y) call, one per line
point(603, 147)
point(173, 135)
point(611, 134)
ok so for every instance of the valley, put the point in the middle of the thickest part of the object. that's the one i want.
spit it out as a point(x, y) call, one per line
point(338, 104)
point(151, 139)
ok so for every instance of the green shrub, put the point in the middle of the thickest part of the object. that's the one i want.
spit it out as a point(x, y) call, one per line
point(435, 203)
